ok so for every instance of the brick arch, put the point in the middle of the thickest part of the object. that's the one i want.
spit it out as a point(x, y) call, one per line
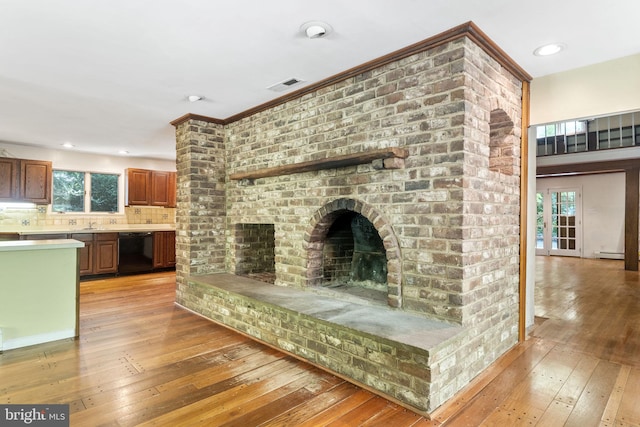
point(319, 227)
point(504, 144)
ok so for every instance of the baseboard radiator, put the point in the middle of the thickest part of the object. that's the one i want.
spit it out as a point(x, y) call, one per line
point(609, 255)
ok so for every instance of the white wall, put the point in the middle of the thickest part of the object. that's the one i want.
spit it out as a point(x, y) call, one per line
point(602, 209)
point(74, 160)
point(85, 162)
point(600, 89)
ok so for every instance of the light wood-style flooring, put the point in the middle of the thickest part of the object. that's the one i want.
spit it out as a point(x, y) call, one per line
point(141, 360)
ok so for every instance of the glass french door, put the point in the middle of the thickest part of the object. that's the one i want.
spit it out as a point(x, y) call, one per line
point(558, 222)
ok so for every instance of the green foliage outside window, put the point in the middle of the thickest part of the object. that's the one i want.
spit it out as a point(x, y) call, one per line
point(104, 192)
point(70, 188)
point(68, 191)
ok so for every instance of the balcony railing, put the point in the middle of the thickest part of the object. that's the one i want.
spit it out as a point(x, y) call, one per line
point(593, 134)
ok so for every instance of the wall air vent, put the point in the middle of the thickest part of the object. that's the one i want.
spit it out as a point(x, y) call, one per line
point(285, 85)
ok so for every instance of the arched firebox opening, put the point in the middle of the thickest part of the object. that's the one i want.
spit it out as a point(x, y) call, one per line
point(354, 260)
point(352, 249)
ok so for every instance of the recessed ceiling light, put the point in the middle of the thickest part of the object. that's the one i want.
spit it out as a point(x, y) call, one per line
point(123, 152)
point(68, 145)
point(315, 29)
point(195, 98)
point(549, 49)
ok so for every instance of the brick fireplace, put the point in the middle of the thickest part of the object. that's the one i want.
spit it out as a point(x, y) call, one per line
point(368, 224)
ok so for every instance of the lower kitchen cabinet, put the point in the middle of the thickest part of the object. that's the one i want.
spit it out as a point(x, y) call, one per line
point(85, 256)
point(100, 253)
point(106, 249)
point(164, 249)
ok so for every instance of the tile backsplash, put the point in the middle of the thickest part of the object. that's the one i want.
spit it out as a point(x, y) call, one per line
point(39, 217)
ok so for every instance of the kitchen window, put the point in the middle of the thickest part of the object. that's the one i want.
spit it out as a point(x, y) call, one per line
point(85, 192)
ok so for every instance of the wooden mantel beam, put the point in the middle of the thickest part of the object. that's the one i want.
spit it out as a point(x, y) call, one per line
point(327, 163)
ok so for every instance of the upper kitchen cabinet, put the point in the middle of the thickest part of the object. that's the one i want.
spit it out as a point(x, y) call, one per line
point(151, 188)
point(25, 180)
point(138, 187)
point(9, 177)
point(163, 188)
point(35, 181)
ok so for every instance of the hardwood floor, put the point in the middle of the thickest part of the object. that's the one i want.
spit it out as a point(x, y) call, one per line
point(141, 360)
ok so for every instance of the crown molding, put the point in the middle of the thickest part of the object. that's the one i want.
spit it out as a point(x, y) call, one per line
point(468, 29)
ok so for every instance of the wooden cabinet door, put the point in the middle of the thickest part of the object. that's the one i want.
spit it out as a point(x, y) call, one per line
point(138, 187)
point(106, 257)
point(35, 181)
point(85, 259)
point(170, 248)
point(86, 254)
point(160, 183)
point(164, 249)
point(158, 249)
point(9, 177)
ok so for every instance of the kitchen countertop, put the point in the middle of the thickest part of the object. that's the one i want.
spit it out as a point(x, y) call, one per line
point(34, 245)
point(115, 228)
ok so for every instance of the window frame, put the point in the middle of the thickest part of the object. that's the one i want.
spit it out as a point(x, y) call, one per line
point(88, 175)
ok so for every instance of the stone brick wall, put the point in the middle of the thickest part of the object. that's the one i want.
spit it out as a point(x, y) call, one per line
point(201, 201)
point(399, 371)
point(437, 104)
point(254, 248)
point(449, 219)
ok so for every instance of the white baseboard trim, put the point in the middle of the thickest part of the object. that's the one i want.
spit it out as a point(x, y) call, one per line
point(10, 344)
point(609, 255)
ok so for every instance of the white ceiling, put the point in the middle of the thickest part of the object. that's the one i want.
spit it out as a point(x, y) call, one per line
point(111, 75)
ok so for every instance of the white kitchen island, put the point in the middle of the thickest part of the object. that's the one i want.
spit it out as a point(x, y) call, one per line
point(39, 291)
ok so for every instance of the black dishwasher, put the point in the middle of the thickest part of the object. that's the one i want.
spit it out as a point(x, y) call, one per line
point(135, 252)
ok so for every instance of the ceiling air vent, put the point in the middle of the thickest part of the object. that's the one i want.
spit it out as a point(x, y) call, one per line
point(285, 85)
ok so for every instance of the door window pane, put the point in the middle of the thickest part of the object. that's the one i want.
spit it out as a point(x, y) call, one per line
point(104, 192)
point(68, 191)
point(539, 221)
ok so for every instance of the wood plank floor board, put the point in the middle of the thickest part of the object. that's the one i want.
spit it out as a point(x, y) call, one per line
point(360, 414)
point(270, 403)
point(393, 415)
point(498, 390)
point(556, 414)
point(592, 402)
point(577, 381)
point(314, 387)
point(300, 413)
point(615, 399)
point(232, 394)
point(331, 414)
point(629, 409)
point(531, 398)
point(142, 360)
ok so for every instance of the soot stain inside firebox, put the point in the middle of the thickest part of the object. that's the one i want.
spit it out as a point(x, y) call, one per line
point(354, 258)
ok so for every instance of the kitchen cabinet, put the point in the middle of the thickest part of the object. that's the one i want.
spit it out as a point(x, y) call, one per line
point(25, 180)
point(100, 253)
point(163, 188)
point(164, 249)
point(106, 253)
point(138, 187)
point(85, 255)
point(151, 188)
point(9, 176)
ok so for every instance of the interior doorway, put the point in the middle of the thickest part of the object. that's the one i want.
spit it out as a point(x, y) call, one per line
point(559, 222)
